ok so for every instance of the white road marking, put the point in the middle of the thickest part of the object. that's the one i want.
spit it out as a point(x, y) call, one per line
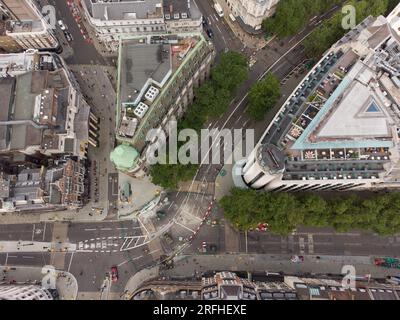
point(33, 231)
point(90, 229)
point(28, 257)
point(143, 226)
point(183, 226)
point(70, 261)
point(44, 229)
point(6, 259)
point(179, 191)
point(238, 119)
point(244, 124)
point(105, 229)
point(154, 251)
point(122, 228)
point(126, 261)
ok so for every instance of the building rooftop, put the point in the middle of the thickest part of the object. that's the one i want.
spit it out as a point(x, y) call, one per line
point(142, 64)
point(25, 26)
point(124, 9)
point(345, 110)
point(146, 67)
point(124, 157)
point(181, 9)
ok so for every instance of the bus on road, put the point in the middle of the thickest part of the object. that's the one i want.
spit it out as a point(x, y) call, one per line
point(218, 8)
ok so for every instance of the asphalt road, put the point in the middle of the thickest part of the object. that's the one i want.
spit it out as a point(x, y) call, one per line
point(83, 52)
point(89, 266)
point(26, 232)
point(223, 37)
point(109, 237)
point(279, 57)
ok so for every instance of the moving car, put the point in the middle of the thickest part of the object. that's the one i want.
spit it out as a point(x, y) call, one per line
point(114, 274)
point(209, 33)
point(68, 36)
point(204, 22)
point(62, 25)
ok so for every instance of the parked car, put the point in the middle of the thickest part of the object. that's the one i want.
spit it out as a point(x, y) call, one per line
point(114, 274)
point(297, 259)
point(209, 33)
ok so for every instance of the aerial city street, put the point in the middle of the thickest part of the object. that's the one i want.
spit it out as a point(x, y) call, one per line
point(199, 150)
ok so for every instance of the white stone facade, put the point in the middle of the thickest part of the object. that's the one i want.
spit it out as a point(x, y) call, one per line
point(252, 12)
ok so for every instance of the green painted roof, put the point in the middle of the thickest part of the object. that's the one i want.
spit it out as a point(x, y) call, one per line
point(124, 157)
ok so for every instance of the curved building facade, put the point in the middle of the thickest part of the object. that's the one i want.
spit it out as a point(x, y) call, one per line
point(340, 128)
point(24, 292)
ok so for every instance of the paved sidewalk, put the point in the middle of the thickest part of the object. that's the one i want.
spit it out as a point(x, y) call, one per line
point(256, 42)
point(187, 266)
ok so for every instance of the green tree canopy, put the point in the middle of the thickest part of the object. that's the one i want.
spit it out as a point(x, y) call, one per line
point(263, 96)
point(212, 99)
point(285, 211)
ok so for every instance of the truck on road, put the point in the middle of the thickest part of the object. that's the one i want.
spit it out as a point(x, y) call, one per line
point(218, 9)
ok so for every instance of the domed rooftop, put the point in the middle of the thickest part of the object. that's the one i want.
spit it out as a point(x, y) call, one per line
point(124, 157)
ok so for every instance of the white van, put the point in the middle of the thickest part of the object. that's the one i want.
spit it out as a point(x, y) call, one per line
point(219, 10)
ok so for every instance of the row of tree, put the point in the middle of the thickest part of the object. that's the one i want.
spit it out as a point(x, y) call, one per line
point(212, 99)
point(293, 15)
point(331, 30)
point(263, 96)
point(286, 211)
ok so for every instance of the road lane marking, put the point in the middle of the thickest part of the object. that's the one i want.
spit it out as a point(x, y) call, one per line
point(6, 259)
point(90, 229)
point(126, 261)
point(28, 257)
point(70, 261)
point(44, 229)
point(33, 231)
point(154, 251)
point(170, 205)
point(183, 226)
point(124, 228)
point(105, 229)
point(140, 221)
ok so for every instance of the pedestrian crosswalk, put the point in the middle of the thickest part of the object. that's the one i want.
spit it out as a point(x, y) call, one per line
point(111, 244)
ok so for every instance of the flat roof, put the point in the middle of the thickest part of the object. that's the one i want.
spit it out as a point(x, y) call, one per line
point(124, 9)
point(139, 63)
